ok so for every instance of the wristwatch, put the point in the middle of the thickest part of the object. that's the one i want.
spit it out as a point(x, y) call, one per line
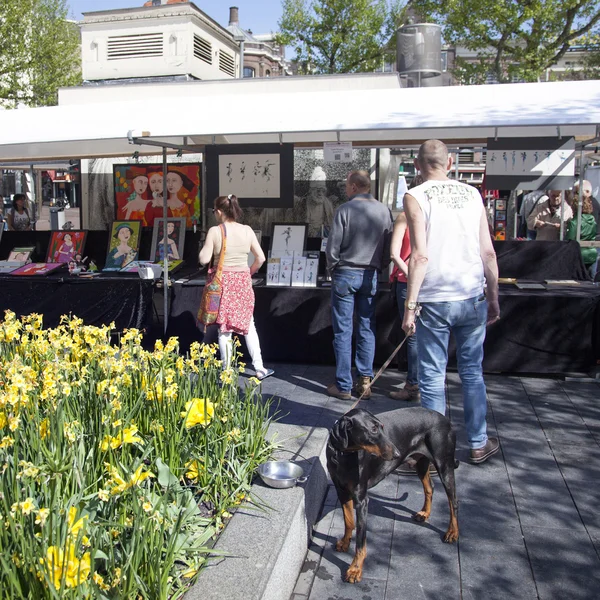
point(411, 305)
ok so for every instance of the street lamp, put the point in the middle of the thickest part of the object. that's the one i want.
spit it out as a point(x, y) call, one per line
point(240, 39)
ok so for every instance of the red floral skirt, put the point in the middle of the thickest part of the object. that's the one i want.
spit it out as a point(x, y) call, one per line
point(237, 302)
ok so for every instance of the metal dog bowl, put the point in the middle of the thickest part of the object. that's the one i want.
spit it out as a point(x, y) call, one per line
point(281, 473)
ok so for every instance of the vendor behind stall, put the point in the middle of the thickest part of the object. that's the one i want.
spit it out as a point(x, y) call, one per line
point(546, 216)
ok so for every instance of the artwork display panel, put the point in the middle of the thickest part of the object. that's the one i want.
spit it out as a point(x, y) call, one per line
point(65, 246)
point(287, 239)
point(123, 245)
point(139, 192)
point(176, 237)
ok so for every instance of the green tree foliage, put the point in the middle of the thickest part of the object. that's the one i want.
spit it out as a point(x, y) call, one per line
point(39, 51)
point(339, 36)
point(512, 39)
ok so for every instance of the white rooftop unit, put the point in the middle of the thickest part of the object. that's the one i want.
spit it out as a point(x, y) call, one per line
point(176, 40)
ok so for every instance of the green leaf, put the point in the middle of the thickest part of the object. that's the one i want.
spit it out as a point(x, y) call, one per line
point(165, 476)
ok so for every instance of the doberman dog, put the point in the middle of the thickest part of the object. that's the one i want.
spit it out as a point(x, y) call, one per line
point(361, 453)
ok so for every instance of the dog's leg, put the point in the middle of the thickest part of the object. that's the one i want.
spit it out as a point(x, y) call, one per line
point(422, 467)
point(446, 473)
point(354, 572)
point(343, 544)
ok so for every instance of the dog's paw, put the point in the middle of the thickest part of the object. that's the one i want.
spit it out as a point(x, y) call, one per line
point(353, 574)
point(451, 536)
point(421, 516)
point(342, 545)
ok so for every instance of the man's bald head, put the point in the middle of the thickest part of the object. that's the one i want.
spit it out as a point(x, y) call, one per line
point(587, 187)
point(432, 156)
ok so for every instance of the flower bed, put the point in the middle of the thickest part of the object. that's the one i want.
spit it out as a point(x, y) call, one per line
point(117, 466)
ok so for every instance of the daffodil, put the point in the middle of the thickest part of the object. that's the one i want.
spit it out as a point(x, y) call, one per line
point(198, 411)
point(60, 565)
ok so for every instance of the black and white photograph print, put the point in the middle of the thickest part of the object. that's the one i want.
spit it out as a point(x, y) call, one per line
point(250, 175)
point(288, 238)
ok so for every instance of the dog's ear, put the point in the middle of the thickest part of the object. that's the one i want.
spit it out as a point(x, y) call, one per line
point(340, 432)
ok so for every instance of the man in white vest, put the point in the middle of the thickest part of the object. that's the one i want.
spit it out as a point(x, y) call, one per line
point(452, 257)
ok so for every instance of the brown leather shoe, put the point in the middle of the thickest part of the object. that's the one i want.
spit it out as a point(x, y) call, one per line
point(480, 455)
point(332, 390)
point(408, 392)
point(363, 384)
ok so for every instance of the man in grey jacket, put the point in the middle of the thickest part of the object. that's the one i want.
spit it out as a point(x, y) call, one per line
point(357, 249)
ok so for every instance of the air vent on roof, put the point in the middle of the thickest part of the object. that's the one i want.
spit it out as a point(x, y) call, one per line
point(143, 45)
point(226, 63)
point(202, 49)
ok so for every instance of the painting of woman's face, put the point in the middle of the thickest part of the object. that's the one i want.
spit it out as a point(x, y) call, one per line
point(170, 227)
point(68, 239)
point(174, 182)
point(124, 234)
point(156, 182)
point(140, 184)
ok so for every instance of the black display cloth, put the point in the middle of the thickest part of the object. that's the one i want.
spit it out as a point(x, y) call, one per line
point(538, 261)
point(545, 331)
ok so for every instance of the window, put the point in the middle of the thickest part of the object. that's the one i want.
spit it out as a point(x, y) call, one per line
point(248, 72)
point(267, 73)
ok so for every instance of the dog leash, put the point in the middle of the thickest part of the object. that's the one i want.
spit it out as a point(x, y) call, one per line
point(388, 361)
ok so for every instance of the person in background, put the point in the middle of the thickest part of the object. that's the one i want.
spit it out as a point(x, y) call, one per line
point(528, 204)
point(588, 229)
point(452, 258)
point(587, 193)
point(18, 218)
point(357, 250)
point(546, 216)
point(237, 298)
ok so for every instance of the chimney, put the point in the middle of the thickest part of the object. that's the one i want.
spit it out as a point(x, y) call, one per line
point(234, 18)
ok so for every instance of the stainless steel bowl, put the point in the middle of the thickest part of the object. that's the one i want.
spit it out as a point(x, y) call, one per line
point(281, 473)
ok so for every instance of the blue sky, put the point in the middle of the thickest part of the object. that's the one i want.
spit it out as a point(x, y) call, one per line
point(260, 16)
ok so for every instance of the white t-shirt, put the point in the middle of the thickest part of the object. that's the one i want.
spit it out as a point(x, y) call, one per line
point(452, 212)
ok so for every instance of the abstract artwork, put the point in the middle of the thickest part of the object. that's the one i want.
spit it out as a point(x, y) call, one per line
point(123, 244)
point(65, 246)
point(255, 176)
point(139, 192)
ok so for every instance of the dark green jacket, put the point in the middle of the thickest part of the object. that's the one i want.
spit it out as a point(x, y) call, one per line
point(588, 233)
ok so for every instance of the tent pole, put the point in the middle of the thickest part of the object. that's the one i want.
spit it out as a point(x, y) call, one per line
point(165, 247)
point(580, 203)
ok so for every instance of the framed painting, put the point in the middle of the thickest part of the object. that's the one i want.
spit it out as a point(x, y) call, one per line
point(22, 254)
point(123, 244)
point(66, 246)
point(139, 192)
point(288, 238)
point(176, 238)
point(260, 175)
point(37, 269)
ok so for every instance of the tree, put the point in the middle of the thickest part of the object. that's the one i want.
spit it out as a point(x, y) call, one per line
point(339, 36)
point(512, 39)
point(39, 52)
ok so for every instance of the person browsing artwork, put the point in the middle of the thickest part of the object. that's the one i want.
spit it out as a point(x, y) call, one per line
point(236, 307)
point(18, 218)
point(123, 253)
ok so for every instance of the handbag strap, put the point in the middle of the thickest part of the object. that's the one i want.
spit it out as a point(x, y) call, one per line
point(223, 249)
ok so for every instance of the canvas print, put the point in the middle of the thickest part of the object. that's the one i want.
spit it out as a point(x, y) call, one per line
point(298, 270)
point(139, 192)
point(285, 272)
point(288, 238)
point(123, 245)
point(66, 246)
point(37, 269)
point(175, 236)
point(312, 269)
point(21, 254)
point(273, 267)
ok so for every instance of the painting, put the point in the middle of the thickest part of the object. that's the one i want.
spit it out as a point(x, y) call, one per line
point(37, 269)
point(123, 244)
point(139, 192)
point(175, 236)
point(260, 175)
point(288, 238)
point(66, 246)
point(21, 254)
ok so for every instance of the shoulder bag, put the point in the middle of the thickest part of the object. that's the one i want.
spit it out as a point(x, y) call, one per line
point(213, 290)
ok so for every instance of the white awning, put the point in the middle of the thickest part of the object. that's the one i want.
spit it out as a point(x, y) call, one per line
point(311, 115)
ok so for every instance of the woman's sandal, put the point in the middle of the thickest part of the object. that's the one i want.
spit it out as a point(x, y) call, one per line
point(264, 373)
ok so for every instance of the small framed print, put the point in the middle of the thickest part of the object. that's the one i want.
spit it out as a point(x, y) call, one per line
point(175, 239)
point(500, 215)
point(500, 204)
point(273, 267)
point(288, 238)
point(66, 246)
point(285, 272)
point(298, 270)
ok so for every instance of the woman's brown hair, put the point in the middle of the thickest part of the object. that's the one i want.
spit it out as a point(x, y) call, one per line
point(229, 206)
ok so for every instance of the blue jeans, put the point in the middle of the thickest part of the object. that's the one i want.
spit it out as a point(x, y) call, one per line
point(412, 355)
point(594, 267)
point(352, 287)
point(466, 319)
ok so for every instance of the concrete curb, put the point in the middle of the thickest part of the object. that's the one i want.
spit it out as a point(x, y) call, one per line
point(266, 547)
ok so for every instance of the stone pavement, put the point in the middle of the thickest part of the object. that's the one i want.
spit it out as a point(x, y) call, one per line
point(529, 520)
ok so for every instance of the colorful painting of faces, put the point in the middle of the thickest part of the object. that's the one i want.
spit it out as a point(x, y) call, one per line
point(123, 245)
point(66, 246)
point(139, 192)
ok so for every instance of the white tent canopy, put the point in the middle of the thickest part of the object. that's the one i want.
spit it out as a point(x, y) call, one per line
point(306, 114)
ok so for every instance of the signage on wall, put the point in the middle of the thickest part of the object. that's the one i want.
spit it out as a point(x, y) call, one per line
point(530, 163)
point(337, 152)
